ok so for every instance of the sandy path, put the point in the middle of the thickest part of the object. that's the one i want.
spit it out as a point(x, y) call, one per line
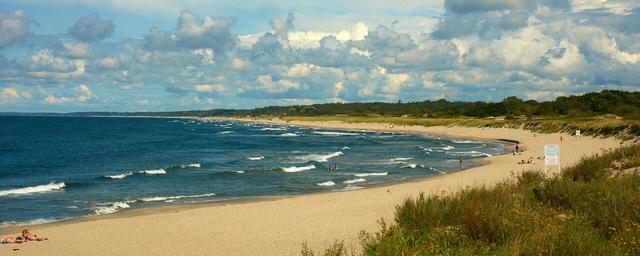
point(279, 227)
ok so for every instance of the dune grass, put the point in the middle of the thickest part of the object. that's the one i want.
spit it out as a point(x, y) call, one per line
point(592, 208)
point(622, 128)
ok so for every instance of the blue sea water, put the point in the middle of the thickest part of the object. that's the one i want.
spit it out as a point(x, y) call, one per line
point(54, 168)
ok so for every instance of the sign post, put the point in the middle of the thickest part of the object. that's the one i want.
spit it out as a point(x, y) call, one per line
point(551, 156)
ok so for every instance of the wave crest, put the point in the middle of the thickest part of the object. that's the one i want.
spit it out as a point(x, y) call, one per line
point(298, 169)
point(33, 189)
point(119, 176)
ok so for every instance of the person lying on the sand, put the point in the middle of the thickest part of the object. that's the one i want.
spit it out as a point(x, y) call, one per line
point(27, 236)
point(10, 240)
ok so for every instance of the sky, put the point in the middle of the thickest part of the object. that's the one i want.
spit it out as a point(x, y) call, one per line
point(165, 55)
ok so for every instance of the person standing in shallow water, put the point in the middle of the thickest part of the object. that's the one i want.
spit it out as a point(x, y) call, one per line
point(461, 162)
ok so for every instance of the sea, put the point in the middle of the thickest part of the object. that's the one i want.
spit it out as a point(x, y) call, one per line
point(56, 167)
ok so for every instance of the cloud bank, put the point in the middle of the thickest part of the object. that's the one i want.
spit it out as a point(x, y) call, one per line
point(475, 50)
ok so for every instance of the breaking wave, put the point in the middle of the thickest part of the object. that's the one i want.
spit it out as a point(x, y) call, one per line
point(154, 172)
point(319, 157)
point(298, 169)
point(337, 133)
point(172, 198)
point(33, 189)
point(111, 207)
point(119, 176)
point(371, 174)
point(358, 180)
point(326, 183)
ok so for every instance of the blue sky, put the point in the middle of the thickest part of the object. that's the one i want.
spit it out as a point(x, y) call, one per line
point(116, 55)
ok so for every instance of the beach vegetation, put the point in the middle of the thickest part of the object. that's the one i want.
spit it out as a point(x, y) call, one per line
point(591, 208)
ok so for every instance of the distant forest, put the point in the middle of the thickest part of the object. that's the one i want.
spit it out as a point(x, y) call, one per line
point(619, 103)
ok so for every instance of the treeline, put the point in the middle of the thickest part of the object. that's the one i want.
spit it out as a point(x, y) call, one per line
point(619, 103)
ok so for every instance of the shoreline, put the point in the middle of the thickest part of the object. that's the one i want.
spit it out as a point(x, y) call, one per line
point(297, 218)
point(152, 210)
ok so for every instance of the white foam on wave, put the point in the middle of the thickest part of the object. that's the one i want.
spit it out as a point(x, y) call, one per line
point(358, 180)
point(191, 166)
point(154, 172)
point(326, 183)
point(33, 189)
point(298, 169)
point(111, 207)
point(441, 172)
point(346, 148)
point(119, 176)
point(348, 188)
point(447, 148)
point(413, 166)
point(172, 198)
point(464, 142)
point(400, 159)
point(273, 129)
point(239, 172)
point(226, 132)
point(337, 133)
point(255, 158)
point(469, 153)
point(319, 157)
point(371, 174)
point(289, 134)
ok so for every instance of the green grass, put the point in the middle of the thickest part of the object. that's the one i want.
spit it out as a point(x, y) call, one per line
point(622, 128)
point(592, 208)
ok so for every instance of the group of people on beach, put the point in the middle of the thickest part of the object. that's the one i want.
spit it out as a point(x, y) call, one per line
point(529, 161)
point(333, 168)
point(24, 237)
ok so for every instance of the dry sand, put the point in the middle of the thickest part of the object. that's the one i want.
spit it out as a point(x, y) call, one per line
point(278, 227)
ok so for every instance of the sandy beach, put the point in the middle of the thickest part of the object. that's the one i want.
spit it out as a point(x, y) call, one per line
point(279, 226)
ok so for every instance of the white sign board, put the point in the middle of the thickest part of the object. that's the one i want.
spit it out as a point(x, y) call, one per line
point(577, 132)
point(551, 154)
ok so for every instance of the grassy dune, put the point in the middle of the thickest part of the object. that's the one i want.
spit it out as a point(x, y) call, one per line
point(592, 208)
point(623, 128)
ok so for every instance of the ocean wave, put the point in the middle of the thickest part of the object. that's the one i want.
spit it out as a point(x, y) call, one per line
point(298, 169)
point(154, 172)
point(255, 158)
point(400, 159)
point(226, 132)
point(326, 183)
point(119, 176)
point(337, 133)
point(464, 142)
point(239, 172)
point(191, 166)
point(319, 157)
point(345, 148)
point(172, 198)
point(289, 134)
point(348, 188)
point(273, 129)
point(371, 174)
point(413, 166)
point(469, 153)
point(439, 171)
point(111, 207)
point(358, 180)
point(37, 221)
point(33, 189)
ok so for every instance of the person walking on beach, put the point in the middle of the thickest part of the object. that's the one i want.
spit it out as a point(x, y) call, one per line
point(461, 162)
point(517, 148)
